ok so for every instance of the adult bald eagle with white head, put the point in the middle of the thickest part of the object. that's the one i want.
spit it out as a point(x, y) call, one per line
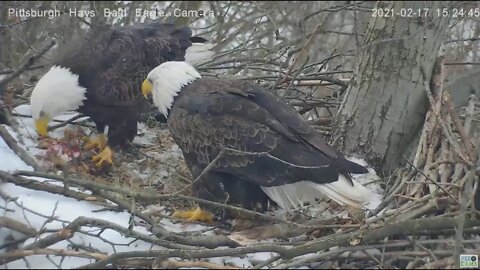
point(100, 75)
point(264, 146)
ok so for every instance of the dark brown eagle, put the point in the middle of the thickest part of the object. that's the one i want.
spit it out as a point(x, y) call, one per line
point(100, 75)
point(266, 148)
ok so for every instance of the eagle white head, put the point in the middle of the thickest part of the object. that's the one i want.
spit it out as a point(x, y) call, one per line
point(166, 81)
point(56, 92)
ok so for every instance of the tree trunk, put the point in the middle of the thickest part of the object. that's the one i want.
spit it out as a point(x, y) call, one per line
point(385, 105)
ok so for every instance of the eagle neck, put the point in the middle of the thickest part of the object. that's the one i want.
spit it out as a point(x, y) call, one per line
point(165, 98)
point(168, 80)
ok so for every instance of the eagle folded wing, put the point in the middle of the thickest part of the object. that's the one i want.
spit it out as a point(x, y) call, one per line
point(262, 140)
point(268, 153)
point(131, 54)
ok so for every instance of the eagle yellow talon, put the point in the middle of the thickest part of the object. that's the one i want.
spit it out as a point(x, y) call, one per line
point(104, 156)
point(100, 142)
point(195, 215)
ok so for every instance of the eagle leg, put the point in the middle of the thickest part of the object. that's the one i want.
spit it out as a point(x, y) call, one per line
point(100, 142)
point(104, 156)
point(195, 215)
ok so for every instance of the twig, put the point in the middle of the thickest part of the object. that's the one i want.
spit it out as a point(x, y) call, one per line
point(433, 182)
point(6, 222)
point(12, 143)
point(26, 64)
point(54, 120)
point(469, 112)
point(14, 242)
point(442, 123)
point(461, 63)
point(461, 40)
point(209, 241)
point(399, 255)
point(36, 185)
point(287, 90)
point(304, 52)
point(434, 204)
point(422, 247)
point(45, 242)
point(103, 224)
point(150, 196)
point(173, 264)
point(267, 262)
point(440, 264)
point(66, 122)
point(8, 198)
point(191, 254)
point(17, 23)
point(459, 126)
point(57, 252)
point(205, 171)
point(392, 195)
point(30, 68)
point(465, 201)
point(371, 235)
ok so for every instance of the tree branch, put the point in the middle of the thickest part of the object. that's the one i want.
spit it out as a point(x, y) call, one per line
point(418, 227)
point(36, 185)
point(6, 222)
point(30, 61)
point(12, 143)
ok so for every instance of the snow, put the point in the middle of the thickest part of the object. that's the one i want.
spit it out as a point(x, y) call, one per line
point(65, 209)
point(9, 161)
point(370, 179)
point(27, 134)
point(179, 227)
point(39, 206)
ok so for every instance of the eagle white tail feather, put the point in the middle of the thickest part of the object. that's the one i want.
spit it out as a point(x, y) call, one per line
point(199, 53)
point(57, 91)
point(293, 196)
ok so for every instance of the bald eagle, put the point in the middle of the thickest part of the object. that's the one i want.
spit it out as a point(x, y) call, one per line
point(263, 145)
point(100, 75)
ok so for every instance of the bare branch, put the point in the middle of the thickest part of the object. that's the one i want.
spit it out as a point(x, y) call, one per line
point(12, 143)
point(30, 61)
point(6, 222)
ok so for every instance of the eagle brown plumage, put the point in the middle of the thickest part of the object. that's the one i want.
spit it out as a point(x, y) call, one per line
point(100, 75)
point(273, 146)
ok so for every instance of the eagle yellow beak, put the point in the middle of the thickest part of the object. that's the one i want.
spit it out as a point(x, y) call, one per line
point(147, 88)
point(41, 124)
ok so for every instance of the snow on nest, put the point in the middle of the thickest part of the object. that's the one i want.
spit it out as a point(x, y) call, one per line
point(370, 179)
point(29, 126)
point(45, 203)
point(145, 138)
point(9, 161)
point(27, 133)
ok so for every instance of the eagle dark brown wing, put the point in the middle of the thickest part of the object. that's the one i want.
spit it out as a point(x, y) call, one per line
point(132, 53)
point(113, 62)
point(210, 115)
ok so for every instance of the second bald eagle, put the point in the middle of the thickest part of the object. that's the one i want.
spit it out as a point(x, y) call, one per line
point(264, 146)
point(100, 75)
